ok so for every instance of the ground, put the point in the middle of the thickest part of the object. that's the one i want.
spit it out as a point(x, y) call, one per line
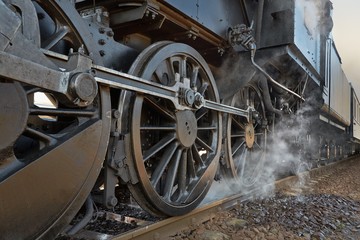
point(325, 206)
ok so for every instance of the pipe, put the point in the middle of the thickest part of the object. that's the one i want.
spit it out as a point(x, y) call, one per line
point(259, 19)
point(267, 100)
point(253, 50)
point(86, 219)
point(305, 85)
point(244, 12)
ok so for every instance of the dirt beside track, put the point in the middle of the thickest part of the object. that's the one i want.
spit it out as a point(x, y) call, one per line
point(324, 204)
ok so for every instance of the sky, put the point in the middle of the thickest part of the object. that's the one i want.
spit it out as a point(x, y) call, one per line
point(346, 33)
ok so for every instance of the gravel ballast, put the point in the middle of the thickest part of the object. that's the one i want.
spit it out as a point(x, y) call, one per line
point(325, 206)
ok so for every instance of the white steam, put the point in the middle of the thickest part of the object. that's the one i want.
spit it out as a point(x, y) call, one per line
point(285, 156)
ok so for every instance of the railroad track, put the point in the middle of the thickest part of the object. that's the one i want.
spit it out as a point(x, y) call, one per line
point(164, 229)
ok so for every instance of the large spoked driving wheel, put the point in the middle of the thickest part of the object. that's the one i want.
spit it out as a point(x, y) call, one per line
point(245, 146)
point(50, 152)
point(175, 153)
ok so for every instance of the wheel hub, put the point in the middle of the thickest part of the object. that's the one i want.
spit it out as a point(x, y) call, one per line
point(84, 88)
point(186, 127)
point(14, 111)
point(249, 135)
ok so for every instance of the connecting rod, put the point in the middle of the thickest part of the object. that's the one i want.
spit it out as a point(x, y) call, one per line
point(78, 84)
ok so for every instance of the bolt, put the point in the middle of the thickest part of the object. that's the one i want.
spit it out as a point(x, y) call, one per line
point(199, 100)
point(81, 49)
point(102, 30)
point(84, 88)
point(93, 72)
point(112, 201)
point(102, 41)
point(110, 33)
point(102, 53)
point(116, 113)
point(189, 97)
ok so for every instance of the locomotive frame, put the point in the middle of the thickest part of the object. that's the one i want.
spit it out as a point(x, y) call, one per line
point(144, 93)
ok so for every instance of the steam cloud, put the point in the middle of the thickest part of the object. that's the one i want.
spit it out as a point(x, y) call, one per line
point(285, 156)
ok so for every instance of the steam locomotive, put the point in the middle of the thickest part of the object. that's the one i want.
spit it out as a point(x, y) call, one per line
point(158, 96)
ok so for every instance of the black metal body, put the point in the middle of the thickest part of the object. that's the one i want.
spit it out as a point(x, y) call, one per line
point(156, 95)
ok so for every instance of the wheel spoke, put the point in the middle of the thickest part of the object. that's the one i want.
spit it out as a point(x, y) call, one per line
point(182, 67)
point(237, 146)
point(158, 146)
point(234, 120)
point(203, 88)
point(194, 76)
point(197, 158)
point(40, 136)
point(160, 109)
point(238, 135)
point(171, 175)
point(209, 128)
point(158, 128)
point(55, 38)
point(191, 164)
point(163, 163)
point(170, 67)
point(258, 145)
point(203, 144)
point(182, 176)
point(242, 161)
point(254, 167)
point(62, 112)
point(174, 64)
point(201, 113)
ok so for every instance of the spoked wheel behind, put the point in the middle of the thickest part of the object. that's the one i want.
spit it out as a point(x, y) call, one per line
point(175, 153)
point(245, 146)
point(51, 153)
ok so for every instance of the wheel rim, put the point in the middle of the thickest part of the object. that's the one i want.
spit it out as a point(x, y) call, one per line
point(58, 150)
point(179, 151)
point(246, 141)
